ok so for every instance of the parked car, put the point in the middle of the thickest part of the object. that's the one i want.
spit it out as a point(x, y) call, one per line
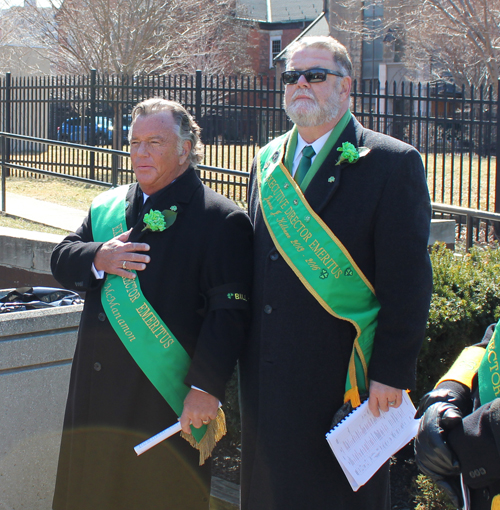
point(71, 130)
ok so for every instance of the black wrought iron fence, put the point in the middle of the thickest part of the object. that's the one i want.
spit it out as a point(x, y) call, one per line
point(456, 130)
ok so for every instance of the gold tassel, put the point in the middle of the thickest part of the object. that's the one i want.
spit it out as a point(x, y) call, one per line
point(353, 396)
point(216, 429)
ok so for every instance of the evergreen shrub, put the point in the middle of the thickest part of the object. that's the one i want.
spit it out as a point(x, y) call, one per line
point(465, 301)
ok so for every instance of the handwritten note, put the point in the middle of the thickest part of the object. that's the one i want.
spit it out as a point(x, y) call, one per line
point(362, 443)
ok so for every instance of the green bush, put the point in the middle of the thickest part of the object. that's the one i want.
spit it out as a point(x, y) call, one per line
point(428, 496)
point(465, 301)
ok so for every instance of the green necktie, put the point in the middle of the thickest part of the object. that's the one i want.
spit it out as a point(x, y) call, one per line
point(305, 163)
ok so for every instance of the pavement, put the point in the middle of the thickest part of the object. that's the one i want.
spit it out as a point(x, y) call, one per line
point(46, 213)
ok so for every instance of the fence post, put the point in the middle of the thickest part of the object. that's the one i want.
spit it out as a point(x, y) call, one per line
point(91, 141)
point(497, 154)
point(197, 96)
point(3, 170)
point(197, 102)
point(7, 120)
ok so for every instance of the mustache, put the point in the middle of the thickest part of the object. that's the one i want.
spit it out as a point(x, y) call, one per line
point(304, 92)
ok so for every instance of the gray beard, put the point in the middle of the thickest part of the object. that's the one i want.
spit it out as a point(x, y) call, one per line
point(313, 115)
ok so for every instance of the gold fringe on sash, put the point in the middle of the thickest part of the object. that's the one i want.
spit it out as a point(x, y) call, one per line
point(216, 429)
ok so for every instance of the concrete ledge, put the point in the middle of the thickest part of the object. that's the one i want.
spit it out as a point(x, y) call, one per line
point(442, 231)
point(224, 495)
point(28, 250)
point(25, 258)
point(36, 349)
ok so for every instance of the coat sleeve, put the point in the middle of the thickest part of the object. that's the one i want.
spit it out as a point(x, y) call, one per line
point(71, 260)
point(403, 275)
point(226, 280)
point(476, 441)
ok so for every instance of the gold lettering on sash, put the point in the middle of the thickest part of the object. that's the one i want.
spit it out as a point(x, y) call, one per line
point(327, 260)
point(282, 222)
point(154, 325)
point(110, 298)
point(118, 230)
point(277, 200)
point(493, 361)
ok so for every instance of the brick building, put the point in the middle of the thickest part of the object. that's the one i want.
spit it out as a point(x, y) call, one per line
point(274, 25)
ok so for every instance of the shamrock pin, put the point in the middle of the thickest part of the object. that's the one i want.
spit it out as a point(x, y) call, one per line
point(158, 221)
point(350, 154)
point(154, 221)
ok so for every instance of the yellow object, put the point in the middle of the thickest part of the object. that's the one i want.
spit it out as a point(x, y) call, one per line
point(465, 367)
point(215, 430)
point(495, 504)
point(353, 395)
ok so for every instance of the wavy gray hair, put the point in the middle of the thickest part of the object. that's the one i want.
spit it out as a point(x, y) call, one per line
point(187, 127)
point(338, 50)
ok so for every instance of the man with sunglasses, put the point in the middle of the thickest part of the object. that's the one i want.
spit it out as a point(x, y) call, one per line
point(342, 286)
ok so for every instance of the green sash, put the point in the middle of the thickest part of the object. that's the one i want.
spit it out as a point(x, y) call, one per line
point(488, 372)
point(147, 338)
point(319, 260)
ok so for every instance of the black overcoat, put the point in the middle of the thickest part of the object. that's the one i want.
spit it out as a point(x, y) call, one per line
point(294, 369)
point(195, 263)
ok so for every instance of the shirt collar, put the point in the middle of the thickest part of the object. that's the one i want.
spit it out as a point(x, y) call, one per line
point(317, 145)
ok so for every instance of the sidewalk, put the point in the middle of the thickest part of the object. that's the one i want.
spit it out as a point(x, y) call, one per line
point(46, 213)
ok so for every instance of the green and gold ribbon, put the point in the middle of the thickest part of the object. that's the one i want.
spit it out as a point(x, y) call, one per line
point(319, 259)
point(488, 372)
point(147, 338)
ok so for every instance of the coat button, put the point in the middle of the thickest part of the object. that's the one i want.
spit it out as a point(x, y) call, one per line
point(97, 366)
point(268, 309)
point(102, 317)
point(274, 255)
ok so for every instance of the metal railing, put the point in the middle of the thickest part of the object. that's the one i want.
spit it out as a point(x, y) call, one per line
point(479, 226)
point(107, 168)
point(455, 129)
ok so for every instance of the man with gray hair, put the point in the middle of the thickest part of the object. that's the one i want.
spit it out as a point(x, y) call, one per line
point(166, 266)
point(342, 285)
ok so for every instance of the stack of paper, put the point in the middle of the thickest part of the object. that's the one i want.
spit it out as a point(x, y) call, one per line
point(362, 443)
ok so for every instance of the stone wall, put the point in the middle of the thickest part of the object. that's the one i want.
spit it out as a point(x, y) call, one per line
point(36, 349)
point(25, 258)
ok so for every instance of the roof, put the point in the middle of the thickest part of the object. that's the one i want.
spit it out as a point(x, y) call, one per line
point(318, 27)
point(279, 11)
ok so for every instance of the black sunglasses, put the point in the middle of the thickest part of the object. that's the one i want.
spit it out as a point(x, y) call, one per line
point(315, 75)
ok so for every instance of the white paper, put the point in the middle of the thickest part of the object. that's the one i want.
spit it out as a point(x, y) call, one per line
point(158, 438)
point(362, 443)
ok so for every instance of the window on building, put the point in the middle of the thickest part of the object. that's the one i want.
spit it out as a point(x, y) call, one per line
point(275, 49)
point(373, 46)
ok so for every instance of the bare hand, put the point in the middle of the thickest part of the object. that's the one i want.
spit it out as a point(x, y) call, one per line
point(199, 409)
point(117, 255)
point(382, 397)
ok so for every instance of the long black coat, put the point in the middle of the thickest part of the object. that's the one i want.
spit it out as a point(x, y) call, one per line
point(112, 406)
point(294, 370)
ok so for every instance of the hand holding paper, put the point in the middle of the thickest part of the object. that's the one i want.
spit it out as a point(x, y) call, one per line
point(158, 438)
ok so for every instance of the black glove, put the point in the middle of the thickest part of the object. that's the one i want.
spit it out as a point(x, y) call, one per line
point(477, 445)
point(460, 399)
point(433, 455)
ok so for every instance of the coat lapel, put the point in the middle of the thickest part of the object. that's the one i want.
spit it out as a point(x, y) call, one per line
point(328, 178)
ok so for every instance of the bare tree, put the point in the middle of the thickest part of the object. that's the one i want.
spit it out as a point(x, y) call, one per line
point(20, 50)
point(458, 38)
point(440, 39)
point(145, 36)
